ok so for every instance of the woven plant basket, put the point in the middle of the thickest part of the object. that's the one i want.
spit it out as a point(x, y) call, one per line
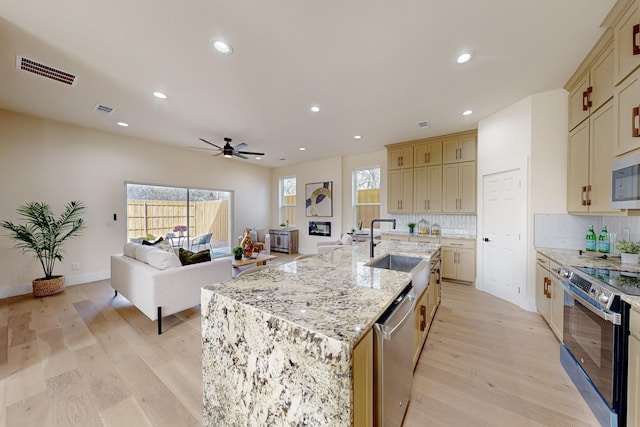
point(46, 287)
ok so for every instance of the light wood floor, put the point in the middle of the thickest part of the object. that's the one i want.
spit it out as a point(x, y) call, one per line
point(85, 358)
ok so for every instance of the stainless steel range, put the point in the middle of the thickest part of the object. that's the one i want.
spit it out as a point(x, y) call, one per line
point(595, 337)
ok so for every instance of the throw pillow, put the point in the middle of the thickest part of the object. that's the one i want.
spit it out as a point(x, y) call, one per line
point(129, 249)
point(254, 235)
point(163, 260)
point(188, 257)
point(152, 242)
point(346, 239)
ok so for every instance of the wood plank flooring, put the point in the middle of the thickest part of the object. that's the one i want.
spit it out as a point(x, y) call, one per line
point(87, 358)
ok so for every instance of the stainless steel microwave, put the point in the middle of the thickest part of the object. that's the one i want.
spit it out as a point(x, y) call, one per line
point(625, 182)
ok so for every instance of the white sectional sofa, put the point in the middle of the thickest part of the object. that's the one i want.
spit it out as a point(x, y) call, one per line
point(157, 284)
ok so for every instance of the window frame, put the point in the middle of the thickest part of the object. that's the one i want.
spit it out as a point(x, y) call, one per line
point(354, 193)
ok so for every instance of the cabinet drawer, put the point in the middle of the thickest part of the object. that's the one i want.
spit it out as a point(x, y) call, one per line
point(553, 267)
point(424, 239)
point(458, 243)
point(543, 261)
point(634, 323)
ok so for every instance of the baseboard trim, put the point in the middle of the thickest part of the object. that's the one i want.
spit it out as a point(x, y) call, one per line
point(25, 289)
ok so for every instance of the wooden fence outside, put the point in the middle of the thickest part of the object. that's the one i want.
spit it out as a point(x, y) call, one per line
point(158, 217)
point(367, 213)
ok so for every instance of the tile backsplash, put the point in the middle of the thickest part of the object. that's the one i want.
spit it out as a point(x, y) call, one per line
point(458, 225)
point(569, 231)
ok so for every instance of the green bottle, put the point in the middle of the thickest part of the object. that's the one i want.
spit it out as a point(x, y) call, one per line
point(604, 244)
point(591, 239)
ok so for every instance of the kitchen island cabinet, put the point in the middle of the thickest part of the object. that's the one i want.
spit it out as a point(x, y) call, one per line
point(288, 345)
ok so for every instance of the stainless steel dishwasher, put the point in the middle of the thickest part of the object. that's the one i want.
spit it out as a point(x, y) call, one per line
point(393, 351)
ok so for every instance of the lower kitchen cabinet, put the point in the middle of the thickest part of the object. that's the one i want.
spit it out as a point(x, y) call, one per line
point(549, 294)
point(459, 260)
point(633, 385)
point(363, 381)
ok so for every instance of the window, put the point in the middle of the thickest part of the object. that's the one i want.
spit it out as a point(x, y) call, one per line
point(366, 196)
point(180, 214)
point(288, 200)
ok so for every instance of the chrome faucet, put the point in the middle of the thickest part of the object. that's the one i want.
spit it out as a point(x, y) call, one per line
point(373, 245)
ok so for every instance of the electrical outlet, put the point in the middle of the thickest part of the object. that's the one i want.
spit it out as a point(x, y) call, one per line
point(75, 266)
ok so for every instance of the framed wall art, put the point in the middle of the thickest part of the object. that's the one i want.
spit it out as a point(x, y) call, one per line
point(319, 198)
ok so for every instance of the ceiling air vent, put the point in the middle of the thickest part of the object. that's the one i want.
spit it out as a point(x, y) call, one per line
point(103, 109)
point(423, 124)
point(26, 64)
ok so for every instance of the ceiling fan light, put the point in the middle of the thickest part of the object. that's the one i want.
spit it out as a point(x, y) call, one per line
point(222, 47)
point(227, 155)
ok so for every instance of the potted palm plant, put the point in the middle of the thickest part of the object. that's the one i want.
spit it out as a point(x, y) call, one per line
point(43, 234)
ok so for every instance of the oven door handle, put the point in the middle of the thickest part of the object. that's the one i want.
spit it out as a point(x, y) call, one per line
point(607, 315)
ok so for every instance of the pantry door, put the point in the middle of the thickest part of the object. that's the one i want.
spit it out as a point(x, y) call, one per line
point(502, 239)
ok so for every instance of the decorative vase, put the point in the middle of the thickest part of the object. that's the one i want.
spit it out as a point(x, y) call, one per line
point(237, 257)
point(629, 258)
point(247, 243)
point(46, 287)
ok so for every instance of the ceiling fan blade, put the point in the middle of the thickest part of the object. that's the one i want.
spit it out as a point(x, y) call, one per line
point(201, 148)
point(216, 155)
point(240, 155)
point(250, 152)
point(210, 143)
point(240, 146)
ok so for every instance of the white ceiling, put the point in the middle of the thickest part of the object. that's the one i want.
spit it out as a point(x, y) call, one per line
point(375, 67)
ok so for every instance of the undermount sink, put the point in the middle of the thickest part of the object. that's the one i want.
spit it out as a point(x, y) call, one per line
point(396, 262)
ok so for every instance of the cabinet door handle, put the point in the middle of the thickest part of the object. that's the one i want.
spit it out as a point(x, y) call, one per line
point(545, 290)
point(429, 204)
point(636, 47)
point(425, 205)
point(425, 157)
point(583, 198)
point(586, 99)
point(429, 157)
point(635, 122)
point(588, 194)
point(423, 318)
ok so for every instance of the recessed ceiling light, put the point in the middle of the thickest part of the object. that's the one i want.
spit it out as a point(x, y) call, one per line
point(302, 149)
point(221, 46)
point(467, 112)
point(123, 124)
point(315, 108)
point(465, 57)
point(357, 137)
point(159, 95)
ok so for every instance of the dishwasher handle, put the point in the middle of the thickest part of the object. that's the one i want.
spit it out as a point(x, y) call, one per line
point(408, 300)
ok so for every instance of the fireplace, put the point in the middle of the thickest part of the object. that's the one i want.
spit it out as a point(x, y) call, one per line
point(319, 228)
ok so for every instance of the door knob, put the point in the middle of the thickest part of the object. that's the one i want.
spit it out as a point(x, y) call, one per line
point(486, 239)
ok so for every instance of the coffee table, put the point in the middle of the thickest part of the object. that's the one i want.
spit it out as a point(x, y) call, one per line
point(261, 259)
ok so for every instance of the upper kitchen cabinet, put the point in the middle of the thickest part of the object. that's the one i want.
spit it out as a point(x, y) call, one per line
point(400, 191)
point(427, 154)
point(427, 189)
point(400, 157)
point(459, 188)
point(627, 115)
point(459, 149)
point(626, 34)
point(589, 164)
point(593, 89)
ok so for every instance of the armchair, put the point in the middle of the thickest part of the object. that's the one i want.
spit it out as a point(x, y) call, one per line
point(260, 236)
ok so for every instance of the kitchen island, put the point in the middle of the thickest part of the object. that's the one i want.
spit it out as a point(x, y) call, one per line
point(278, 344)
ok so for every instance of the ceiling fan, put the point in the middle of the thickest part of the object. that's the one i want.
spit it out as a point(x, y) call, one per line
point(229, 151)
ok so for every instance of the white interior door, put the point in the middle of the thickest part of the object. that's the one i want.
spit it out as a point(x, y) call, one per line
point(504, 270)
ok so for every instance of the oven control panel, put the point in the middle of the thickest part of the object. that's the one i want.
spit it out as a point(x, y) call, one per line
point(589, 285)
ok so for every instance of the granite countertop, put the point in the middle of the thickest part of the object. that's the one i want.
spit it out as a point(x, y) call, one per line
point(441, 236)
point(572, 257)
point(334, 294)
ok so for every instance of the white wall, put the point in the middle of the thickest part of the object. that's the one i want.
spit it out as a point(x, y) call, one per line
point(306, 173)
point(530, 134)
point(42, 160)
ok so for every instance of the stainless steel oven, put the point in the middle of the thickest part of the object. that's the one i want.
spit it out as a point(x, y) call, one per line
point(595, 339)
